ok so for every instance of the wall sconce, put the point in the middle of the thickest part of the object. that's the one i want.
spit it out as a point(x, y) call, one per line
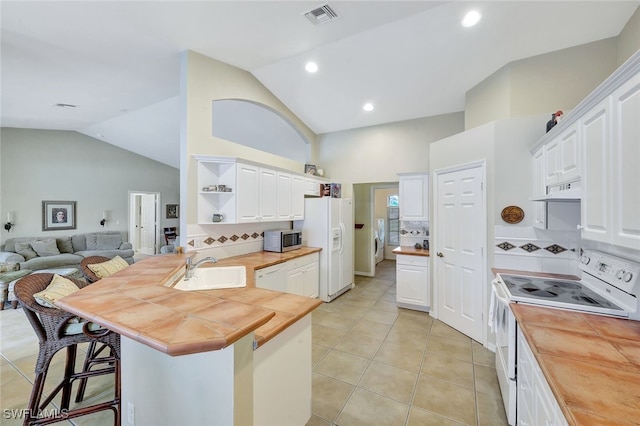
point(104, 218)
point(8, 225)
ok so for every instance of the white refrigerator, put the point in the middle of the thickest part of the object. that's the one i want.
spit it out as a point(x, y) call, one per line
point(328, 224)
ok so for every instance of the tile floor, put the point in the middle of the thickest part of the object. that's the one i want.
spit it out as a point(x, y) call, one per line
point(373, 364)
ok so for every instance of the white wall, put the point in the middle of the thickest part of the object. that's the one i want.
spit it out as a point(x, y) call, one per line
point(39, 165)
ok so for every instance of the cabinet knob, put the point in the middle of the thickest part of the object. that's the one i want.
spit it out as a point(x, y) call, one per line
point(579, 227)
point(440, 254)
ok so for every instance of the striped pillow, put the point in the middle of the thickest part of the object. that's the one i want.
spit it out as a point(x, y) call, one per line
point(57, 289)
point(105, 269)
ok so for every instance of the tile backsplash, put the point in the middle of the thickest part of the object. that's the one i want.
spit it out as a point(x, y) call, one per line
point(536, 250)
point(412, 232)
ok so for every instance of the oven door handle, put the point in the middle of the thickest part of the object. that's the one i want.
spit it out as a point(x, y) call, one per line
point(499, 292)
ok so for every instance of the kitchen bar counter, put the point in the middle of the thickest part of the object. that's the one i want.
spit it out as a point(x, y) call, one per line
point(136, 303)
point(411, 251)
point(591, 362)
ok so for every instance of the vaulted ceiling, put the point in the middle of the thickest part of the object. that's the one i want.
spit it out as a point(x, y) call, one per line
point(117, 61)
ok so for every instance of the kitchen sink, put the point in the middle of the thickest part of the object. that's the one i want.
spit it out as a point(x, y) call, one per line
point(212, 278)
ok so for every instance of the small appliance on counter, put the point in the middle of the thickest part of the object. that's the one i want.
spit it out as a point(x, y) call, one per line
point(281, 240)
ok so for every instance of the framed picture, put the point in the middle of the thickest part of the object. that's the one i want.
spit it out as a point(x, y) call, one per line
point(58, 215)
point(310, 169)
point(173, 211)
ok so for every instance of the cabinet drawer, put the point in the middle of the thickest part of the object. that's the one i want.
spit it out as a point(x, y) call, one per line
point(405, 259)
point(301, 261)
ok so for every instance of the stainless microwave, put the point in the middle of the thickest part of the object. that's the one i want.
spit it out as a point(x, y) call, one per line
point(281, 240)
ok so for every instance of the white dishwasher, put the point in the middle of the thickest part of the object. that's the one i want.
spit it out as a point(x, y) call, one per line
point(273, 277)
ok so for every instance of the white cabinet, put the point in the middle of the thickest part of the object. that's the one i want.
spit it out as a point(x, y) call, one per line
point(414, 196)
point(625, 174)
point(312, 187)
point(536, 403)
point(303, 277)
point(412, 282)
point(252, 192)
point(299, 276)
point(539, 189)
point(561, 158)
point(611, 154)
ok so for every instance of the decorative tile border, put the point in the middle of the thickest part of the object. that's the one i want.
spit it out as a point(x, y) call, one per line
point(530, 247)
point(222, 239)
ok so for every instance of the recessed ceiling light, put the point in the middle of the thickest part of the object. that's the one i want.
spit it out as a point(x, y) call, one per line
point(471, 18)
point(368, 107)
point(311, 67)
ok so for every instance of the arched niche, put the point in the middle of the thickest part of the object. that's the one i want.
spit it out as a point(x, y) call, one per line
point(258, 126)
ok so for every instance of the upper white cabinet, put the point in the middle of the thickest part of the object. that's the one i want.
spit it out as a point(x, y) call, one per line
point(414, 196)
point(561, 157)
point(611, 139)
point(250, 192)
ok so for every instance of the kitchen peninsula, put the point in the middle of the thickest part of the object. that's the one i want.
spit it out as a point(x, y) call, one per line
point(229, 356)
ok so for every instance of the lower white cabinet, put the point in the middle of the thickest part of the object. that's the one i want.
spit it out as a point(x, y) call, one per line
point(297, 276)
point(412, 282)
point(536, 403)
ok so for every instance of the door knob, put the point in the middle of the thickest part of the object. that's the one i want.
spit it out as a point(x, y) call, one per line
point(440, 254)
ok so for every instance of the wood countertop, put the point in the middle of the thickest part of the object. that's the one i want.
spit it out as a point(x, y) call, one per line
point(136, 303)
point(591, 362)
point(411, 251)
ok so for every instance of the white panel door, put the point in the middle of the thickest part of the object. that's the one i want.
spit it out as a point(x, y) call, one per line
point(148, 224)
point(459, 261)
point(626, 160)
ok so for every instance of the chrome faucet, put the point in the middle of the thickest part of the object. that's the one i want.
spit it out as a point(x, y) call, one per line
point(191, 267)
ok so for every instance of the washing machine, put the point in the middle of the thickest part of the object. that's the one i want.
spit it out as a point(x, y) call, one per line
point(378, 241)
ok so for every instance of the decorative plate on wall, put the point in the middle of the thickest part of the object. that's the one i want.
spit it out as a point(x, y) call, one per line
point(512, 214)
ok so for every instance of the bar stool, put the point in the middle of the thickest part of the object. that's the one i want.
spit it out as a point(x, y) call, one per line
point(52, 328)
point(91, 260)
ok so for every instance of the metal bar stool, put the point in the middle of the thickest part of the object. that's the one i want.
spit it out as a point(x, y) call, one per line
point(52, 328)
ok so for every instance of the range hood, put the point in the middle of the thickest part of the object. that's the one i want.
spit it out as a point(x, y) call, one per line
point(568, 192)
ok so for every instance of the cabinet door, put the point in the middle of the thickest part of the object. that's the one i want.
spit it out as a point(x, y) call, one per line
point(311, 187)
point(412, 280)
point(552, 162)
point(595, 131)
point(284, 196)
point(268, 195)
point(272, 278)
point(569, 169)
point(414, 197)
point(311, 280)
point(295, 281)
point(248, 196)
point(538, 187)
point(297, 197)
point(625, 179)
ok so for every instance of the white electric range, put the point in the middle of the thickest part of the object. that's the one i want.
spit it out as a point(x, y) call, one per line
point(609, 285)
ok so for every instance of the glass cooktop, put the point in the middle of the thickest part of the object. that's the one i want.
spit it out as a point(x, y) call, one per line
point(557, 292)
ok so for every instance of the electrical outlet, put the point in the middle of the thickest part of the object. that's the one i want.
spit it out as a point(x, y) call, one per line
point(131, 414)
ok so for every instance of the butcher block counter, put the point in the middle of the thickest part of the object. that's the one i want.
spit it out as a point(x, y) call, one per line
point(591, 362)
point(411, 251)
point(136, 303)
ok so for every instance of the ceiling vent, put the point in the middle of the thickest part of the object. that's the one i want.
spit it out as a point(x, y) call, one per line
point(321, 14)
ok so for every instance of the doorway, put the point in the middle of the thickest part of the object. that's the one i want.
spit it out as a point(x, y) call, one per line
point(144, 220)
point(460, 240)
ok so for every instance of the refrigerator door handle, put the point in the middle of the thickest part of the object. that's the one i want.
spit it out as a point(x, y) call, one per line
point(341, 237)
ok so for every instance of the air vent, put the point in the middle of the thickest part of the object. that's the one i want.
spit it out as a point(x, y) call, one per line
point(321, 14)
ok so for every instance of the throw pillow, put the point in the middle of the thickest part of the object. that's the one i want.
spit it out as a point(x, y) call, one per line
point(64, 244)
point(105, 269)
point(58, 288)
point(46, 247)
point(92, 241)
point(109, 241)
point(25, 250)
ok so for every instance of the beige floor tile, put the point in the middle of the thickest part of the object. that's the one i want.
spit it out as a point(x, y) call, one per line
point(15, 394)
point(359, 345)
point(381, 316)
point(317, 421)
point(482, 355)
point(333, 320)
point(329, 396)
point(441, 329)
point(411, 337)
point(359, 303)
point(418, 417)
point(384, 305)
point(446, 399)
point(318, 352)
point(389, 381)
point(372, 329)
point(490, 410)
point(365, 409)
point(342, 366)
point(326, 336)
point(400, 356)
point(455, 348)
point(102, 418)
point(8, 374)
point(486, 380)
point(441, 366)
